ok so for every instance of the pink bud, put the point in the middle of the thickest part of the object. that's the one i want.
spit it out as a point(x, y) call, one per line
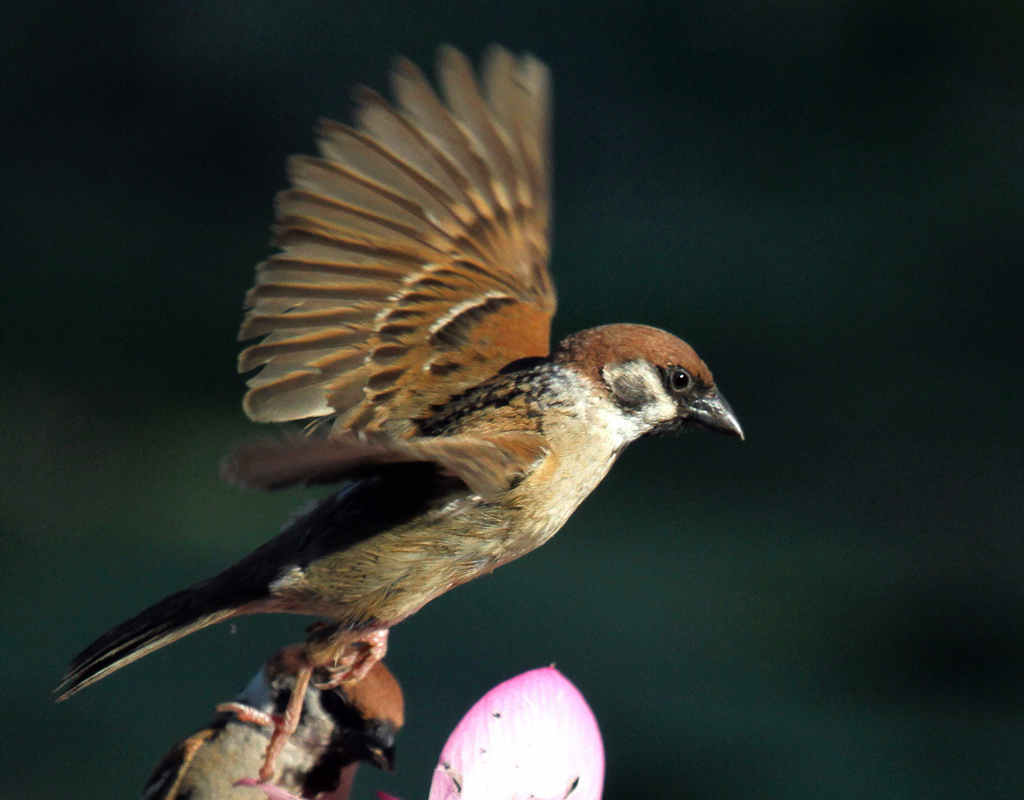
point(533, 736)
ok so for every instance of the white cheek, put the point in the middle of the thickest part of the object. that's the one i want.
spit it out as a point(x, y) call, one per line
point(621, 429)
point(639, 380)
point(661, 411)
point(661, 407)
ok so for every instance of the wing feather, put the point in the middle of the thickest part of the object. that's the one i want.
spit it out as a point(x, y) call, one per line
point(487, 465)
point(414, 250)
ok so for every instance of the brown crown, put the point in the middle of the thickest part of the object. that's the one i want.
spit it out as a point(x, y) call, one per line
point(591, 349)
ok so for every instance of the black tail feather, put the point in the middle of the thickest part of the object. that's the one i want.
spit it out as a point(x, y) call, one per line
point(167, 621)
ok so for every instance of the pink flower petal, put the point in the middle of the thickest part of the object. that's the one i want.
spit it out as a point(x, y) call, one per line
point(533, 736)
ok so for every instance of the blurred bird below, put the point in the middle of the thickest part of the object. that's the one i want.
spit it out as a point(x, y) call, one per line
point(532, 737)
point(337, 729)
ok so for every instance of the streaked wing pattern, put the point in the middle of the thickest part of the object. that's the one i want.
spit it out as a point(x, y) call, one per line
point(414, 251)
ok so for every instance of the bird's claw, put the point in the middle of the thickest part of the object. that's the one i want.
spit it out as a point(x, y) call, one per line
point(249, 714)
point(354, 660)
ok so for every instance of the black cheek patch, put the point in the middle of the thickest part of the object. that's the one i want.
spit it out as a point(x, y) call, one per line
point(630, 390)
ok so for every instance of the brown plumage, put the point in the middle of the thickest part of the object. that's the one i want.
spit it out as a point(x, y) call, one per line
point(410, 308)
point(337, 730)
point(415, 248)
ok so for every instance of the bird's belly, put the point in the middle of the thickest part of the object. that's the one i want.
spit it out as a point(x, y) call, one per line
point(382, 580)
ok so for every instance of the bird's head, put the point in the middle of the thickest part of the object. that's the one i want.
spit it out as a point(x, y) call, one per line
point(378, 744)
point(655, 381)
point(379, 701)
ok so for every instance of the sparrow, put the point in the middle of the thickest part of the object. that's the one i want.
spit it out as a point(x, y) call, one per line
point(407, 320)
point(337, 729)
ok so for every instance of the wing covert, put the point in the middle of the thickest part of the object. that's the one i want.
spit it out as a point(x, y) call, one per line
point(414, 251)
point(486, 464)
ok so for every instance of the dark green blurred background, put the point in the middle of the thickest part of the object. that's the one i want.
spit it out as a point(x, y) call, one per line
point(825, 197)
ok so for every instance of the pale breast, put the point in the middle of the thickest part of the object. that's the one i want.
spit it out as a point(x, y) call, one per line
point(586, 434)
point(392, 574)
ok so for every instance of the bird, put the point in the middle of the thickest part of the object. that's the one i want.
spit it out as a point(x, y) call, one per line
point(337, 730)
point(406, 322)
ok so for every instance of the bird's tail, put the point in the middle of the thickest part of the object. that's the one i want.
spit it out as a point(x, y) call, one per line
point(167, 621)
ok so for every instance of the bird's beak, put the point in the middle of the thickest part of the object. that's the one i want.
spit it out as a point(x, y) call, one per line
point(713, 413)
point(383, 758)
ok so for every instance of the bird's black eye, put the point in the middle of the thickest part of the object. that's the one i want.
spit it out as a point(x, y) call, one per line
point(678, 379)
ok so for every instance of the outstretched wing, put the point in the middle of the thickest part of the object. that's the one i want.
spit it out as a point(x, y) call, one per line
point(414, 251)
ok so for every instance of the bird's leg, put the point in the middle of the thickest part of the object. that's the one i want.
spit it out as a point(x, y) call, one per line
point(288, 660)
point(284, 725)
point(345, 656)
point(249, 714)
point(348, 658)
point(288, 722)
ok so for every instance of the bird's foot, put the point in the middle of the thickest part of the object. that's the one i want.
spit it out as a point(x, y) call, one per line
point(353, 659)
point(246, 713)
point(284, 725)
